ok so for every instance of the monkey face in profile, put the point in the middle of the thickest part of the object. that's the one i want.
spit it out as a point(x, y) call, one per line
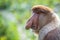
point(44, 22)
point(41, 16)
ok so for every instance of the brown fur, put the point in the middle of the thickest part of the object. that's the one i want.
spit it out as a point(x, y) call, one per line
point(41, 9)
point(53, 35)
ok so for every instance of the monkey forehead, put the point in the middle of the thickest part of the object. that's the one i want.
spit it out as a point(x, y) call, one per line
point(41, 9)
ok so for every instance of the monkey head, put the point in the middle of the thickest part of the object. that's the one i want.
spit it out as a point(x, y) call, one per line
point(41, 16)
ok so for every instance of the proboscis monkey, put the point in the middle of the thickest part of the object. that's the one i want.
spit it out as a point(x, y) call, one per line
point(44, 22)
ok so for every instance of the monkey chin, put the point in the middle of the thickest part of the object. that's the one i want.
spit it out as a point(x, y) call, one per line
point(35, 32)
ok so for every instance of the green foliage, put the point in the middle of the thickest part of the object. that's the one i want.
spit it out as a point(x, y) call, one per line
point(13, 19)
point(4, 4)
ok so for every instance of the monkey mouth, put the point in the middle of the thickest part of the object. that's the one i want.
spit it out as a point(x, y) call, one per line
point(33, 27)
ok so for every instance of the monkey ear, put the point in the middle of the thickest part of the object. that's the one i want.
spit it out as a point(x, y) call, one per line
point(41, 9)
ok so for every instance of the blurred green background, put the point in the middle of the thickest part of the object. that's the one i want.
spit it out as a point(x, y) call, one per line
point(15, 13)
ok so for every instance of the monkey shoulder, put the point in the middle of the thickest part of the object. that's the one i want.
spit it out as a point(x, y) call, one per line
point(53, 35)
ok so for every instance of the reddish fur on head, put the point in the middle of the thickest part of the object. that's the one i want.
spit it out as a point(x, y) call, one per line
point(41, 9)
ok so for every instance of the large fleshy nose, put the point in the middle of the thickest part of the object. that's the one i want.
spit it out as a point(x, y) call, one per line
point(29, 22)
point(35, 22)
point(28, 25)
point(32, 22)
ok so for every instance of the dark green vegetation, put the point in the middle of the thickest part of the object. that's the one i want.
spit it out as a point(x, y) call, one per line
point(14, 14)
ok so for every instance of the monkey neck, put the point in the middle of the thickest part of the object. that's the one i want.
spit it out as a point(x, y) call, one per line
point(49, 27)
